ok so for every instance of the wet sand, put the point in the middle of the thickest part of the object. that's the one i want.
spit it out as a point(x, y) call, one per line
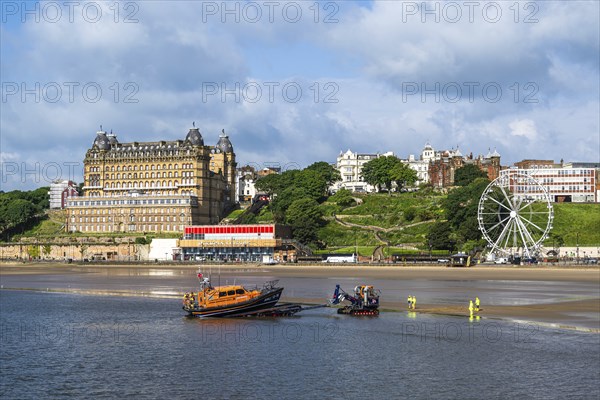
point(564, 314)
point(569, 273)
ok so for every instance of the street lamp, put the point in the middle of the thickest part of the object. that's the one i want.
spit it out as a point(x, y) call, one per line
point(577, 244)
point(430, 248)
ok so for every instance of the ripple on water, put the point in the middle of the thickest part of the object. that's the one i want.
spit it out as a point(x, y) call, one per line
point(63, 345)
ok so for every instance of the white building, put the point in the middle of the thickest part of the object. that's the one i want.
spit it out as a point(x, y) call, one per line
point(422, 164)
point(350, 166)
point(247, 189)
point(576, 185)
point(163, 249)
point(59, 192)
point(246, 178)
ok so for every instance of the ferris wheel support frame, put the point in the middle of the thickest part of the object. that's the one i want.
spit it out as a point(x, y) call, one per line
point(511, 218)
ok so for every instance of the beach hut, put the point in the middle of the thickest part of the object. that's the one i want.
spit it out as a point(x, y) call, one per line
point(459, 260)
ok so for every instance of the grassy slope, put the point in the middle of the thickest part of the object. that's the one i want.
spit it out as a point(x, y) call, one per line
point(384, 211)
point(389, 211)
point(573, 218)
point(234, 214)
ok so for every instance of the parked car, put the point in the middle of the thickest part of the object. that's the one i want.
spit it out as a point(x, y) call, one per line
point(531, 260)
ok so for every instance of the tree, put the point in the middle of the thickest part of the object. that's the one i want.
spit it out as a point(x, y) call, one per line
point(314, 184)
point(83, 247)
point(282, 202)
point(343, 198)
point(19, 211)
point(46, 249)
point(461, 203)
point(461, 209)
point(410, 214)
point(440, 236)
point(326, 171)
point(377, 172)
point(39, 197)
point(403, 175)
point(269, 184)
point(467, 174)
point(33, 251)
point(469, 231)
point(305, 218)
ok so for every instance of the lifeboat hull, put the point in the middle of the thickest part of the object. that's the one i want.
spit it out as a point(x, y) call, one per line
point(266, 300)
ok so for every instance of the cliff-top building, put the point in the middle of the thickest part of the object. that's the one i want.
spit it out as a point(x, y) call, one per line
point(564, 182)
point(350, 166)
point(445, 163)
point(59, 191)
point(153, 186)
point(421, 165)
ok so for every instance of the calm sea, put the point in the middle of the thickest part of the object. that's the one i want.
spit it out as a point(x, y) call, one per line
point(71, 346)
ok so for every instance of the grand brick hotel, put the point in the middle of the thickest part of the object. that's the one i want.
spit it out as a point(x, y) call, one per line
point(153, 186)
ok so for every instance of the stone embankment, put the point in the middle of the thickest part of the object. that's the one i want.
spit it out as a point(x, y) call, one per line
point(75, 248)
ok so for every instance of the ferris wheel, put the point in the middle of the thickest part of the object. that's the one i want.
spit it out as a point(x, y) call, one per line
point(515, 214)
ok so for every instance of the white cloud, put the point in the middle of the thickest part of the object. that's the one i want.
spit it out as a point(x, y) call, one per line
point(171, 52)
point(525, 128)
point(8, 156)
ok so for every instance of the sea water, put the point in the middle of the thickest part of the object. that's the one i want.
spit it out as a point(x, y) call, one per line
point(56, 345)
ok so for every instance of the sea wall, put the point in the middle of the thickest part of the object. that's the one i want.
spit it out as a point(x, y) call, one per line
point(127, 251)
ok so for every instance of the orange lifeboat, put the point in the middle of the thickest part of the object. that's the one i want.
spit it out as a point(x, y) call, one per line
point(229, 301)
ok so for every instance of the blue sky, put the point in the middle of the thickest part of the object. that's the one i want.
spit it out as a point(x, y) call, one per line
point(373, 76)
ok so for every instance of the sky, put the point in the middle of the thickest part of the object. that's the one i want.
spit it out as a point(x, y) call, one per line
point(296, 82)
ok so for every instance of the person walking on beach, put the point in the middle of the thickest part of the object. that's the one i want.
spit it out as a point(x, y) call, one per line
point(471, 308)
point(476, 304)
point(409, 300)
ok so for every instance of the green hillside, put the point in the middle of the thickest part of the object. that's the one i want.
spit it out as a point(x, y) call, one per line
point(398, 223)
point(402, 221)
point(573, 221)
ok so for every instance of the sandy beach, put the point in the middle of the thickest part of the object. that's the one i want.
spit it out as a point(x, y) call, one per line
point(560, 314)
point(567, 273)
